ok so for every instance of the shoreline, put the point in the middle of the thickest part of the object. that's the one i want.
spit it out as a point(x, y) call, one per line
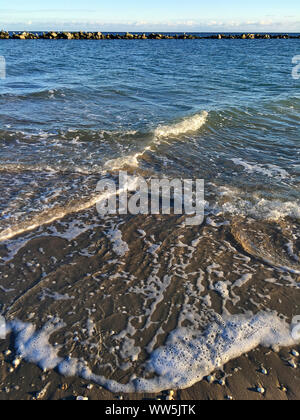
point(238, 380)
point(129, 36)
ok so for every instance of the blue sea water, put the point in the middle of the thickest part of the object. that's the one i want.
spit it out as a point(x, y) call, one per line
point(72, 106)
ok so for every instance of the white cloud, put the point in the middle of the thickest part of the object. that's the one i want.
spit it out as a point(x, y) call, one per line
point(192, 25)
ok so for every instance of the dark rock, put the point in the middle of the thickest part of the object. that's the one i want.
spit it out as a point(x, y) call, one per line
point(99, 36)
point(4, 35)
point(129, 36)
point(66, 35)
point(24, 35)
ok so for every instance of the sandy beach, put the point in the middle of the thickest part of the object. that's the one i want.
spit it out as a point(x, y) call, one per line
point(281, 383)
point(54, 271)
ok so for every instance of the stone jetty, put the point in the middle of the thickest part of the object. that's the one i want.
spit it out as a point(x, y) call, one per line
point(129, 36)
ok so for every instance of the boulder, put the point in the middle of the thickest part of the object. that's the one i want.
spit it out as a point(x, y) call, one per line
point(4, 35)
point(66, 35)
point(129, 36)
point(24, 35)
point(155, 36)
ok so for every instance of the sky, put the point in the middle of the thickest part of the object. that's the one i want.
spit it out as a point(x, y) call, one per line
point(153, 15)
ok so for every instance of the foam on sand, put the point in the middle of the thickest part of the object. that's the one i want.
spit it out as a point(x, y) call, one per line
point(119, 246)
point(186, 358)
point(33, 346)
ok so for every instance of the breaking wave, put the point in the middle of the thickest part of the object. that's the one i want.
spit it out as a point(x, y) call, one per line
point(187, 125)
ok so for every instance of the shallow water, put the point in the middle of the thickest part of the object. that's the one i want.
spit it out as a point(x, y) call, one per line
point(71, 107)
point(75, 111)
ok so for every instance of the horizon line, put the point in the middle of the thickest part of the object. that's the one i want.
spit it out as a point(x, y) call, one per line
point(147, 31)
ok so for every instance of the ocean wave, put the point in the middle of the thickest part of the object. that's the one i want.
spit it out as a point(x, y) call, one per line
point(188, 125)
point(36, 94)
point(278, 115)
point(50, 215)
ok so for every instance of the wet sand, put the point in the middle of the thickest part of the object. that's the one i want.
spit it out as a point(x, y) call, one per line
point(85, 268)
point(243, 377)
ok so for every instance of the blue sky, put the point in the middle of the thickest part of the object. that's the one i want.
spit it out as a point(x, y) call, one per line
point(152, 15)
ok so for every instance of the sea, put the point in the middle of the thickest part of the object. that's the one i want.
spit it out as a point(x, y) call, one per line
point(144, 302)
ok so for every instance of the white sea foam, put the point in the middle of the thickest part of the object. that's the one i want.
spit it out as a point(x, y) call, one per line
point(34, 346)
point(243, 280)
point(131, 161)
point(187, 125)
point(290, 249)
point(71, 231)
point(188, 357)
point(240, 204)
point(264, 209)
point(48, 217)
point(57, 213)
point(119, 246)
point(268, 169)
point(46, 293)
point(185, 359)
